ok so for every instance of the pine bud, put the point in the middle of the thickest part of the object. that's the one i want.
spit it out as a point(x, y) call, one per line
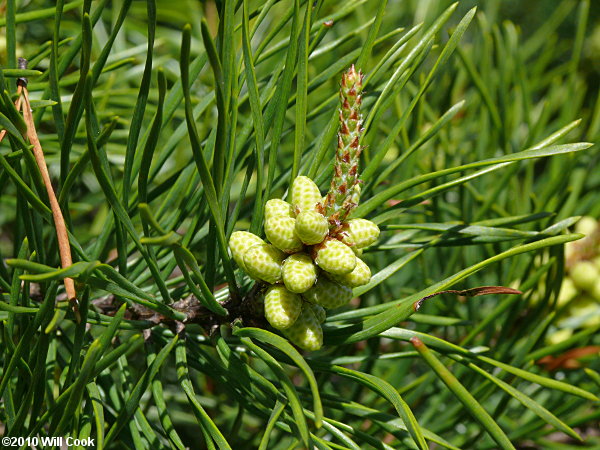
point(328, 294)
point(239, 243)
point(305, 194)
point(299, 272)
point(306, 332)
point(277, 208)
point(282, 307)
point(263, 261)
point(354, 198)
point(319, 312)
point(344, 191)
point(360, 233)
point(335, 257)
point(360, 276)
point(311, 227)
point(281, 233)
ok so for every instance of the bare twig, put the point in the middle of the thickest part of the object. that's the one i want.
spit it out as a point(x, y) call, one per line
point(249, 309)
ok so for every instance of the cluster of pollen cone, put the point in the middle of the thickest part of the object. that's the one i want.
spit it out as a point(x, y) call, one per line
point(312, 259)
point(578, 302)
point(309, 266)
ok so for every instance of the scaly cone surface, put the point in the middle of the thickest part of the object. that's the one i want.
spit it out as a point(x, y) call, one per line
point(344, 193)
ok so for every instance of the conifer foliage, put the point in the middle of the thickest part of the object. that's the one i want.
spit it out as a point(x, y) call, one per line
point(277, 224)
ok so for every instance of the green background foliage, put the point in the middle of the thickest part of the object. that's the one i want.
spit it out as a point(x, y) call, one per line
point(166, 126)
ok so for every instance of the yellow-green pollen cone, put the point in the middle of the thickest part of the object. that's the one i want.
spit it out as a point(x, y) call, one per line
point(335, 257)
point(281, 232)
point(578, 302)
point(328, 294)
point(357, 251)
point(360, 233)
point(305, 194)
point(311, 227)
point(319, 312)
point(360, 276)
point(586, 225)
point(282, 307)
point(299, 273)
point(306, 332)
point(277, 208)
point(568, 291)
point(584, 274)
point(263, 262)
point(239, 243)
point(595, 291)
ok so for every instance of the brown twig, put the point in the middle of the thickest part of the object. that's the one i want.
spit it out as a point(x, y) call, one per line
point(62, 235)
point(250, 310)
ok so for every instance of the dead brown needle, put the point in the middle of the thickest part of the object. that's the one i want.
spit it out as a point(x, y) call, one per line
point(59, 221)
